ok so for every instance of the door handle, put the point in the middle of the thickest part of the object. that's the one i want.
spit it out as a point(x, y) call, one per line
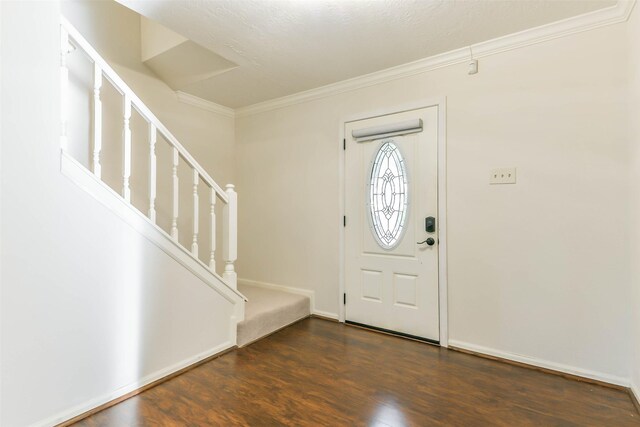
point(430, 241)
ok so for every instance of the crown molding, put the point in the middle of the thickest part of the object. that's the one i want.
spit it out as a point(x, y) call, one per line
point(195, 101)
point(406, 70)
point(576, 24)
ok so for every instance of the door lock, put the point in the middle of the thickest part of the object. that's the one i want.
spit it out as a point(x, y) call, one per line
point(430, 241)
point(430, 224)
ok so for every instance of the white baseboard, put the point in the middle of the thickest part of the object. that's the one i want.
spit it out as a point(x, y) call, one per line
point(585, 373)
point(306, 292)
point(326, 314)
point(94, 403)
point(635, 390)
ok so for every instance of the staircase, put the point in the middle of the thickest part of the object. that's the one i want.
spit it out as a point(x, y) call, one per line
point(119, 200)
point(269, 310)
point(258, 311)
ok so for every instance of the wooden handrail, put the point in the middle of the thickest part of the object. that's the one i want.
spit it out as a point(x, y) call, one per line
point(126, 91)
point(70, 36)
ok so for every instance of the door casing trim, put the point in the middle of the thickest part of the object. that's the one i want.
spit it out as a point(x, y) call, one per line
point(441, 103)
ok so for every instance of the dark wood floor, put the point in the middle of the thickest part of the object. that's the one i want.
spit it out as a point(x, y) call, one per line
point(321, 373)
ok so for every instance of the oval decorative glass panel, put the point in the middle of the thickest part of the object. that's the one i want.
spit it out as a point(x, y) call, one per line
point(388, 195)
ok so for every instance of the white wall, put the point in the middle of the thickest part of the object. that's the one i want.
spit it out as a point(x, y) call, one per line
point(89, 307)
point(1, 299)
point(633, 28)
point(539, 268)
point(87, 310)
point(114, 31)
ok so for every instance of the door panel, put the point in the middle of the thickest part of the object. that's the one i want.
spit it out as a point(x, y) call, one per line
point(391, 281)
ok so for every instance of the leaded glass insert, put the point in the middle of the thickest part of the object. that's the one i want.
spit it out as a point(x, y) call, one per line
point(388, 195)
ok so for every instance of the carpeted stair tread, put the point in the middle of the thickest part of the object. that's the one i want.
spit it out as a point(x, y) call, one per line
point(269, 310)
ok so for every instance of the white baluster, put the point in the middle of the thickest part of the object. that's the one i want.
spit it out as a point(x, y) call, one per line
point(194, 244)
point(97, 119)
point(126, 150)
point(174, 174)
point(230, 233)
point(152, 172)
point(212, 260)
point(64, 87)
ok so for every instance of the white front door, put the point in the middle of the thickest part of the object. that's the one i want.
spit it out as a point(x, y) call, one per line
point(391, 234)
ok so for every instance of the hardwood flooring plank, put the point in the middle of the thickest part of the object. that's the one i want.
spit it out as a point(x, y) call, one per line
point(322, 373)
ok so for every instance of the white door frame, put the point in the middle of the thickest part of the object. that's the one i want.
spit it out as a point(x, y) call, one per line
point(441, 103)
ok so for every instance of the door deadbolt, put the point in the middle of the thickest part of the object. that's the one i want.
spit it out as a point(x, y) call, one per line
point(430, 224)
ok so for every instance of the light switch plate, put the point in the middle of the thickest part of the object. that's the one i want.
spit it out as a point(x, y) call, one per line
point(503, 176)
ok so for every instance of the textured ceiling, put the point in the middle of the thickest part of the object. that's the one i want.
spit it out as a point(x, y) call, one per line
point(284, 47)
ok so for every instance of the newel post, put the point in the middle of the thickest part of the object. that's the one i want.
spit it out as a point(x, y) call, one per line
point(230, 237)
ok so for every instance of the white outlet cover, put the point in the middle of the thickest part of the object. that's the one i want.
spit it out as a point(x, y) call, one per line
point(503, 176)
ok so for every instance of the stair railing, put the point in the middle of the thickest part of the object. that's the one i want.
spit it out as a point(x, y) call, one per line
point(70, 38)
